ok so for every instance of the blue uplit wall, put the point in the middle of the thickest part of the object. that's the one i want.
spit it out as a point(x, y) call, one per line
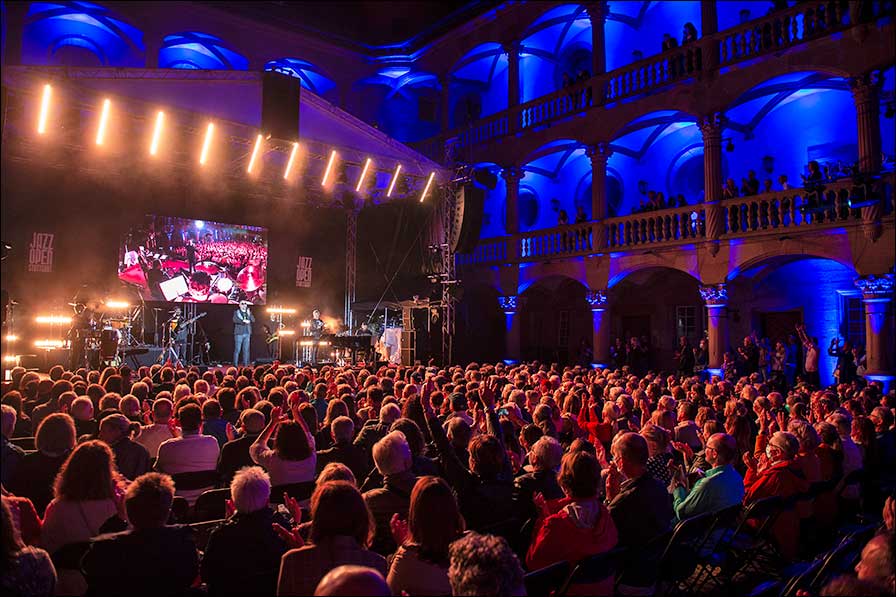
point(402, 102)
point(310, 75)
point(560, 180)
point(640, 26)
point(817, 122)
point(558, 42)
point(493, 221)
point(732, 14)
point(478, 84)
point(807, 285)
point(79, 34)
point(199, 51)
point(887, 129)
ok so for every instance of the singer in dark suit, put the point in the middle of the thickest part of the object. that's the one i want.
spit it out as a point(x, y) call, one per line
point(242, 331)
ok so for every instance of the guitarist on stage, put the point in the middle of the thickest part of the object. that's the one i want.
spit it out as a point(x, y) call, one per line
point(242, 331)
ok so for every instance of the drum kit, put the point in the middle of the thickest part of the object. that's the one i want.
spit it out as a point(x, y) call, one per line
point(101, 339)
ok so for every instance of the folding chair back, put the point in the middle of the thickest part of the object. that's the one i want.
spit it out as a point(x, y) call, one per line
point(548, 580)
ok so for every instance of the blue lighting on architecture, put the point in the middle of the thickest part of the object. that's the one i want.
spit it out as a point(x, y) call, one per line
point(80, 34)
point(199, 51)
point(310, 76)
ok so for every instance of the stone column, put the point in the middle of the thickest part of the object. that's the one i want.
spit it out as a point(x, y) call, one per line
point(716, 298)
point(711, 128)
point(709, 19)
point(512, 49)
point(877, 294)
point(866, 96)
point(511, 176)
point(599, 154)
point(512, 323)
point(597, 12)
point(600, 326)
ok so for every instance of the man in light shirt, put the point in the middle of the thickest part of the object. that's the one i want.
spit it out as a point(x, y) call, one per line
point(192, 452)
point(152, 436)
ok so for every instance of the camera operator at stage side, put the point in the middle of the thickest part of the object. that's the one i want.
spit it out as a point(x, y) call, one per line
point(242, 331)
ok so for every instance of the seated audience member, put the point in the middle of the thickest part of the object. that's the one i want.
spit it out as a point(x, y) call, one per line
point(641, 507)
point(341, 528)
point(192, 452)
point(660, 453)
point(847, 585)
point(545, 458)
point(212, 422)
point(687, 431)
point(162, 428)
point(35, 474)
point(23, 422)
point(243, 555)
point(151, 558)
point(420, 566)
point(82, 412)
point(12, 454)
point(342, 449)
point(131, 459)
point(484, 565)
point(423, 465)
point(392, 457)
point(24, 516)
point(577, 526)
point(293, 459)
point(235, 453)
point(347, 581)
point(780, 476)
point(878, 563)
point(721, 487)
point(376, 429)
point(26, 570)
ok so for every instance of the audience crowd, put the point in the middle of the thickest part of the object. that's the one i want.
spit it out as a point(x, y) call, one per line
point(427, 480)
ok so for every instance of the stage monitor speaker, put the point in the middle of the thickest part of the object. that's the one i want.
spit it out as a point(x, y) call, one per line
point(280, 101)
point(470, 203)
point(144, 357)
point(408, 347)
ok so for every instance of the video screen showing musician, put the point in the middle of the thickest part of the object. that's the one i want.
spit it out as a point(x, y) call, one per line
point(195, 261)
point(242, 332)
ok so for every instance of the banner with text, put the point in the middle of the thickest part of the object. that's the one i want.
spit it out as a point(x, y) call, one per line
point(40, 252)
point(303, 273)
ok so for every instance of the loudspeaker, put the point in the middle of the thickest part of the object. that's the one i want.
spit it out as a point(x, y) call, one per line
point(469, 206)
point(408, 347)
point(280, 99)
point(144, 359)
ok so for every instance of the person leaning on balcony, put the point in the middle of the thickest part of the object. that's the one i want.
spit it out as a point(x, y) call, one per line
point(730, 189)
point(782, 181)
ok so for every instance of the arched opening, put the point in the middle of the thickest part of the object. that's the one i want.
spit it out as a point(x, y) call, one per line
point(555, 50)
point(651, 154)
point(479, 330)
point(554, 177)
point(780, 125)
point(554, 320)
point(311, 77)
point(771, 295)
point(478, 86)
point(199, 51)
point(656, 306)
point(634, 30)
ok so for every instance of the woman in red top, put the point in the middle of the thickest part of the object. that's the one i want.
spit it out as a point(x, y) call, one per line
point(575, 527)
point(782, 477)
point(600, 429)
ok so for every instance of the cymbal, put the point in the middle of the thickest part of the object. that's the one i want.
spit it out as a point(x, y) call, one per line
point(250, 278)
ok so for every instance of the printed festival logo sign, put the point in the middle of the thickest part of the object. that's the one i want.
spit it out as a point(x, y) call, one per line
point(303, 273)
point(40, 252)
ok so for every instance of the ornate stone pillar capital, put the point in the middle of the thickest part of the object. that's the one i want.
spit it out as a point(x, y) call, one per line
point(511, 173)
point(508, 303)
point(876, 289)
point(866, 87)
point(711, 127)
point(597, 11)
point(714, 295)
point(597, 299)
point(598, 152)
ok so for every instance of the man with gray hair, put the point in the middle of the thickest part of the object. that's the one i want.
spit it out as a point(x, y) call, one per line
point(12, 455)
point(81, 411)
point(131, 458)
point(545, 458)
point(392, 457)
point(720, 487)
point(484, 565)
point(235, 453)
point(376, 429)
point(353, 580)
point(243, 555)
point(343, 450)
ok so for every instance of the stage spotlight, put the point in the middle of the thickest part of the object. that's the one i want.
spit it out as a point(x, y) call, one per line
point(254, 154)
point(282, 310)
point(104, 118)
point(10, 359)
point(11, 337)
point(53, 319)
point(209, 133)
point(157, 133)
point(117, 304)
point(426, 188)
point(44, 109)
point(394, 179)
point(306, 324)
point(49, 344)
point(286, 333)
point(363, 174)
point(292, 159)
point(329, 169)
point(199, 224)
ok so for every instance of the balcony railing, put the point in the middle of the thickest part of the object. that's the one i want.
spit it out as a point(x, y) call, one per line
point(761, 36)
point(794, 209)
point(663, 226)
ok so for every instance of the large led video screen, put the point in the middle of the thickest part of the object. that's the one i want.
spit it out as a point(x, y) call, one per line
point(182, 260)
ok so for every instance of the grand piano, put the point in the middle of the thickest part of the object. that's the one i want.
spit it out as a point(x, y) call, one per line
point(349, 347)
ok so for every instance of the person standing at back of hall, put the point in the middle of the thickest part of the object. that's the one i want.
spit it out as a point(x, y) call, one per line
point(242, 331)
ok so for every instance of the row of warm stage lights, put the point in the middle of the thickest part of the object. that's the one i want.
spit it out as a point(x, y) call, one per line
point(56, 320)
point(287, 332)
point(47, 96)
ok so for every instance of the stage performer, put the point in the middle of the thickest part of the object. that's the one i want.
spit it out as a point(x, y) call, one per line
point(242, 331)
point(317, 330)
